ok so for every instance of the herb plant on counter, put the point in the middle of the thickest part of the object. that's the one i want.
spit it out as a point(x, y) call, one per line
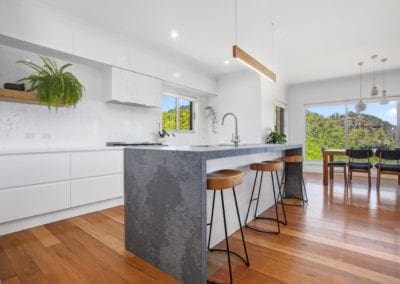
point(275, 138)
point(53, 84)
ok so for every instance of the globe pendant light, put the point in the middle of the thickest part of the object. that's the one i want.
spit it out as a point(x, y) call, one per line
point(360, 106)
point(374, 90)
point(384, 99)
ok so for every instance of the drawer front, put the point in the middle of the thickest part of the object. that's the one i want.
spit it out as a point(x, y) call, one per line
point(17, 203)
point(29, 169)
point(96, 163)
point(89, 190)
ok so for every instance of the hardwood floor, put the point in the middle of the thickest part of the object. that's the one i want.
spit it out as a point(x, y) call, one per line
point(339, 237)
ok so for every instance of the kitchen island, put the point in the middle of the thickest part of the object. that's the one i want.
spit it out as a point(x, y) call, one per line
point(166, 201)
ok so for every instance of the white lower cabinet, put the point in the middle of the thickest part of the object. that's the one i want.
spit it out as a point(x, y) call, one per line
point(39, 183)
point(21, 202)
point(89, 190)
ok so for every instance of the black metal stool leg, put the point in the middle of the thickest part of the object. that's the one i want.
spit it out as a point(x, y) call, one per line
point(258, 196)
point(280, 199)
point(226, 238)
point(212, 217)
point(275, 202)
point(241, 229)
point(276, 205)
point(302, 185)
point(251, 198)
point(302, 182)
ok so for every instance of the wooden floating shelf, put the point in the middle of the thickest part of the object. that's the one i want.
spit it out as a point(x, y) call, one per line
point(20, 97)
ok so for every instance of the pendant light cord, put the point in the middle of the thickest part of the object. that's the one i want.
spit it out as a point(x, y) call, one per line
point(236, 22)
point(360, 64)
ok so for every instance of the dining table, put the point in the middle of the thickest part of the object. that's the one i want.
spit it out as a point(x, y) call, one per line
point(328, 155)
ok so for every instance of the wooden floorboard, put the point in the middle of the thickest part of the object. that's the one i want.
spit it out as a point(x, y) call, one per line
point(340, 236)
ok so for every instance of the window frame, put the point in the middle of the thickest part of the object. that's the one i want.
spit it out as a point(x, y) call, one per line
point(194, 111)
point(284, 107)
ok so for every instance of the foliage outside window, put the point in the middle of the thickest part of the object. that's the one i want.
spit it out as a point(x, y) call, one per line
point(339, 127)
point(177, 114)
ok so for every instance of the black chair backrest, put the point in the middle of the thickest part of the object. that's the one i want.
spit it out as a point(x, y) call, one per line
point(388, 154)
point(359, 154)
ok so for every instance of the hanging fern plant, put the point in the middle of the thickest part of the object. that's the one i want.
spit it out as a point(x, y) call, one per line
point(54, 85)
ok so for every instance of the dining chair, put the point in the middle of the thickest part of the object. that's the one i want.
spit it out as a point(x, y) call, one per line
point(388, 164)
point(359, 161)
point(337, 164)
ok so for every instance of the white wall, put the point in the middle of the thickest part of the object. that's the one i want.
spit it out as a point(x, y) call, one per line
point(272, 94)
point(239, 93)
point(331, 91)
point(91, 123)
point(252, 98)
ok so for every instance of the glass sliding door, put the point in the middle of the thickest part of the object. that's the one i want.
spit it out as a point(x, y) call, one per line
point(375, 127)
point(340, 127)
point(325, 127)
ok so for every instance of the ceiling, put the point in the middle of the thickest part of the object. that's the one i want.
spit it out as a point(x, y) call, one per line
point(311, 39)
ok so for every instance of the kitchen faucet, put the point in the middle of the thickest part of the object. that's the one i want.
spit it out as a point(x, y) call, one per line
point(235, 137)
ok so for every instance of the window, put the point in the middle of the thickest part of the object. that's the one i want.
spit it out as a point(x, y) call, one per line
point(279, 119)
point(177, 113)
point(340, 126)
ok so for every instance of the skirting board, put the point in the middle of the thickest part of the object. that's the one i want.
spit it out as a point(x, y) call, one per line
point(26, 223)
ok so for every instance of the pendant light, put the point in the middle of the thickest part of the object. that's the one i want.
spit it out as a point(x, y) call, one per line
point(374, 90)
point(360, 106)
point(246, 58)
point(384, 99)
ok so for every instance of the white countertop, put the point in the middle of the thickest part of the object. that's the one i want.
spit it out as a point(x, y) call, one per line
point(14, 151)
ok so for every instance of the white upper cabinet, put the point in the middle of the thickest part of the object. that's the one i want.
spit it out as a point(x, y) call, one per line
point(95, 45)
point(40, 28)
point(133, 88)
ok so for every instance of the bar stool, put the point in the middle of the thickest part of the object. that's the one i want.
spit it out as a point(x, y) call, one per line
point(267, 166)
point(221, 180)
point(294, 161)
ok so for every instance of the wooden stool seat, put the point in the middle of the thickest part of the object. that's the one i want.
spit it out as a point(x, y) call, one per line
point(224, 179)
point(293, 159)
point(267, 166)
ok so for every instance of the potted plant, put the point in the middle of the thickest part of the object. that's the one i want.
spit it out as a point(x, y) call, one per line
point(162, 133)
point(275, 138)
point(54, 85)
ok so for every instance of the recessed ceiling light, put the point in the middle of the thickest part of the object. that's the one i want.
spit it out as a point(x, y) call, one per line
point(176, 75)
point(226, 62)
point(174, 34)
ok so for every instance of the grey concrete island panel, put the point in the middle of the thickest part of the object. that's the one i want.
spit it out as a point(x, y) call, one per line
point(165, 204)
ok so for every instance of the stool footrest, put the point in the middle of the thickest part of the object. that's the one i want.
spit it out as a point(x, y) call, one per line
point(254, 199)
point(271, 219)
point(281, 201)
point(231, 252)
point(262, 231)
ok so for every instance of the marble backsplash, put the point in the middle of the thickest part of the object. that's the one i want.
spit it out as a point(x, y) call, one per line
point(91, 123)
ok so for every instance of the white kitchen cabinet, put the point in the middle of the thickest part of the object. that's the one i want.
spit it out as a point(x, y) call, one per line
point(17, 21)
point(89, 190)
point(133, 88)
point(32, 184)
point(21, 202)
point(96, 163)
point(28, 169)
point(97, 46)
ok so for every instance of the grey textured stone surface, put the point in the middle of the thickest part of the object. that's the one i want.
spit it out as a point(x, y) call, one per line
point(165, 204)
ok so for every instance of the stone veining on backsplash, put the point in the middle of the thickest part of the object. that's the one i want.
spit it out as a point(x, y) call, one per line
point(91, 123)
